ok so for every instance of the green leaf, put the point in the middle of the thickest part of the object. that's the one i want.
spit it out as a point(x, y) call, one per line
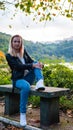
point(69, 0)
point(66, 10)
point(2, 6)
point(16, 5)
point(68, 15)
point(21, 6)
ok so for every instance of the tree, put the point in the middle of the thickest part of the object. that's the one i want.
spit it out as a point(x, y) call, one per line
point(45, 9)
point(2, 55)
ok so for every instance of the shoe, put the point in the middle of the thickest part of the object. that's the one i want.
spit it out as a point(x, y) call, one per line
point(40, 85)
point(23, 121)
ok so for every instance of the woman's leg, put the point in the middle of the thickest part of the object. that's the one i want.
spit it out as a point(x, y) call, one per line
point(38, 74)
point(30, 77)
point(24, 87)
point(35, 74)
point(39, 79)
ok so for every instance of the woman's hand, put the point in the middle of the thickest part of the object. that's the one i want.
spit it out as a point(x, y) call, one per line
point(38, 65)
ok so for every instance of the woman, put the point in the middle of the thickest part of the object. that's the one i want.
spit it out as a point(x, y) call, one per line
point(24, 72)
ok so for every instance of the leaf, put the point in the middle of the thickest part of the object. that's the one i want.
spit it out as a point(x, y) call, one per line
point(69, 0)
point(67, 10)
point(10, 26)
point(2, 54)
point(68, 15)
point(16, 5)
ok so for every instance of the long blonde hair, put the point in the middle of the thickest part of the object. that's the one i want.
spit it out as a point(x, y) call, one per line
point(11, 49)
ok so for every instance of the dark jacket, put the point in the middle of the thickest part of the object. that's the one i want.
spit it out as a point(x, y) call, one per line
point(17, 67)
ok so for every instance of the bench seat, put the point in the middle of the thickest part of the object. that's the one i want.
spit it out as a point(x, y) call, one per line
point(49, 102)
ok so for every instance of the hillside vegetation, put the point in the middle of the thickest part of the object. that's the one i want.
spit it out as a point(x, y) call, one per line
point(60, 50)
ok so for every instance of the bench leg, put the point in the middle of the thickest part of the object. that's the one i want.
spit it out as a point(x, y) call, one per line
point(11, 103)
point(49, 111)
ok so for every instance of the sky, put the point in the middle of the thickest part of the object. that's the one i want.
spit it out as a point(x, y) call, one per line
point(57, 29)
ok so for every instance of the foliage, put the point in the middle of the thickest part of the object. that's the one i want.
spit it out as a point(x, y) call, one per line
point(35, 101)
point(2, 54)
point(5, 75)
point(2, 57)
point(4, 41)
point(44, 9)
point(58, 75)
point(4, 70)
point(2, 5)
point(65, 103)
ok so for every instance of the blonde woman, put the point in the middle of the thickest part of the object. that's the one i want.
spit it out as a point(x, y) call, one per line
point(24, 71)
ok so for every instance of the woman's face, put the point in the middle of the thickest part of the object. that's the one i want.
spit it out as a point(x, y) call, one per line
point(17, 43)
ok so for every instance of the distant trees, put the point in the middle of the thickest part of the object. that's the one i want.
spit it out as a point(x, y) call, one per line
point(54, 52)
point(4, 41)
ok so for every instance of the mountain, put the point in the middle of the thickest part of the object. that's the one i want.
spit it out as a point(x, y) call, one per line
point(58, 49)
point(70, 38)
point(4, 40)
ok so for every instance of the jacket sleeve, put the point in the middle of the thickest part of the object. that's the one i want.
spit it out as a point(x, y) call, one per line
point(15, 64)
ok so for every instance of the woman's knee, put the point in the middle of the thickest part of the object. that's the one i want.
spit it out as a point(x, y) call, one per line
point(27, 86)
point(23, 85)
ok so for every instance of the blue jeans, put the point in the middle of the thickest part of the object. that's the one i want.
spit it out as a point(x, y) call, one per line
point(24, 86)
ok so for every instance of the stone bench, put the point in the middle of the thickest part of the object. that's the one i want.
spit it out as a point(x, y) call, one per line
point(49, 102)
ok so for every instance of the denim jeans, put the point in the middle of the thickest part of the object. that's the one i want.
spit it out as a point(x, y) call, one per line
point(24, 86)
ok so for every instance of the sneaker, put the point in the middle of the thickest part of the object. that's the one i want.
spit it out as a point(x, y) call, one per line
point(23, 121)
point(40, 85)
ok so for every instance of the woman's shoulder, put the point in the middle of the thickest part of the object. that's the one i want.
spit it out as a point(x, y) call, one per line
point(9, 56)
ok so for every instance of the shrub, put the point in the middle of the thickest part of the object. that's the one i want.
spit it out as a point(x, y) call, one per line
point(58, 76)
point(5, 75)
point(34, 100)
point(65, 103)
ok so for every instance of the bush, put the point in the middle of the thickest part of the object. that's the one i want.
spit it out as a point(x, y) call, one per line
point(58, 76)
point(5, 75)
point(65, 103)
point(34, 100)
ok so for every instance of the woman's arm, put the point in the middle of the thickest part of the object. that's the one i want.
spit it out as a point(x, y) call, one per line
point(15, 64)
point(38, 65)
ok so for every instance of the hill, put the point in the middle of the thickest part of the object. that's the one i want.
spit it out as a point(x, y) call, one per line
point(59, 49)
